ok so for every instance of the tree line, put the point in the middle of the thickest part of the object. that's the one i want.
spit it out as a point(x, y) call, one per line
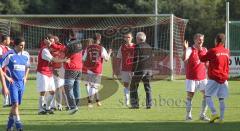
point(205, 16)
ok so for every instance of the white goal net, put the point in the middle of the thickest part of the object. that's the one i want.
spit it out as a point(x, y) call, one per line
point(165, 33)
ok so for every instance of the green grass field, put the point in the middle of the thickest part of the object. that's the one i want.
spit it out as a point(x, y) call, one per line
point(167, 114)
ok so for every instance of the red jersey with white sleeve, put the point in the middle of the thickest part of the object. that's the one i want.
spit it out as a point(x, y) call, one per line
point(93, 58)
point(195, 69)
point(58, 51)
point(218, 58)
point(44, 62)
point(126, 54)
point(3, 50)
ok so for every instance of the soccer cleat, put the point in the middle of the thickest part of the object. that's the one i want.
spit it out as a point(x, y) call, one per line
point(72, 111)
point(204, 118)
point(42, 113)
point(67, 108)
point(99, 103)
point(10, 122)
point(188, 118)
point(90, 105)
point(53, 108)
point(134, 107)
point(213, 118)
point(148, 107)
point(20, 129)
point(10, 129)
point(44, 106)
point(7, 105)
point(127, 103)
point(59, 107)
point(51, 111)
point(220, 121)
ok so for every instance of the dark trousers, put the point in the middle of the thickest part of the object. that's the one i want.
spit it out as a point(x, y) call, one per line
point(144, 76)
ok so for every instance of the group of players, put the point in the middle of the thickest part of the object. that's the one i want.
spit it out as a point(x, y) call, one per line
point(66, 65)
point(61, 67)
point(200, 62)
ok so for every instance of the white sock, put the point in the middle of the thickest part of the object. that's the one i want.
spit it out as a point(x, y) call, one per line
point(60, 96)
point(91, 93)
point(6, 100)
point(54, 102)
point(203, 107)
point(211, 105)
point(50, 99)
point(40, 103)
point(65, 100)
point(222, 108)
point(127, 95)
point(189, 107)
point(88, 89)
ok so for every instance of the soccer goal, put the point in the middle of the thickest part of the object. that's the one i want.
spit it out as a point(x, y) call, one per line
point(165, 33)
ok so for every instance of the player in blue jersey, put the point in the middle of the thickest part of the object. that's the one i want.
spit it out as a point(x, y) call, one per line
point(17, 62)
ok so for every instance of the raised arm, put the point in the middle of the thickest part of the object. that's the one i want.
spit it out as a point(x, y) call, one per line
point(185, 51)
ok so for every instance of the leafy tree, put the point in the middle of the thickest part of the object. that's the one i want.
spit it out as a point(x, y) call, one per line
point(12, 6)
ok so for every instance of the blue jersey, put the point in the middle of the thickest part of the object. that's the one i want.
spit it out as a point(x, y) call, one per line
point(16, 64)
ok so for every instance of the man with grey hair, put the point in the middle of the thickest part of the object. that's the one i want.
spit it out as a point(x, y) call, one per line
point(196, 78)
point(142, 71)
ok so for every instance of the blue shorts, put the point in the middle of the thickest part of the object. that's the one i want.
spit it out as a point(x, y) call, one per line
point(16, 91)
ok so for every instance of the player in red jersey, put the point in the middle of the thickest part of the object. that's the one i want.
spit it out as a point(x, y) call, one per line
point(45, 82)
point(218, 71)
point(125, 59)
point(4, 48)
point(93, 60)
point(196, 78)
point(58, 51)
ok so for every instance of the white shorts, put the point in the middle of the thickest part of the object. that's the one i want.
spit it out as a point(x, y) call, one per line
point(193, 85)
point(126, 76)
point(58, 77)
point(45, 83)
point(214, 88)
point(93, 79)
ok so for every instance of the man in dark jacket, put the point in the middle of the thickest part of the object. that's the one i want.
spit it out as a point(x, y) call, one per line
point(142, 69)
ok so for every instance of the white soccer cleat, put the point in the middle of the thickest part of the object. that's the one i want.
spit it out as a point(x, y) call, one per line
point(59, 107)
point(72, 111)
point(99, 104)
point(90, 105)
point(204, 118)
point(188, 118)
point(127, 103)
